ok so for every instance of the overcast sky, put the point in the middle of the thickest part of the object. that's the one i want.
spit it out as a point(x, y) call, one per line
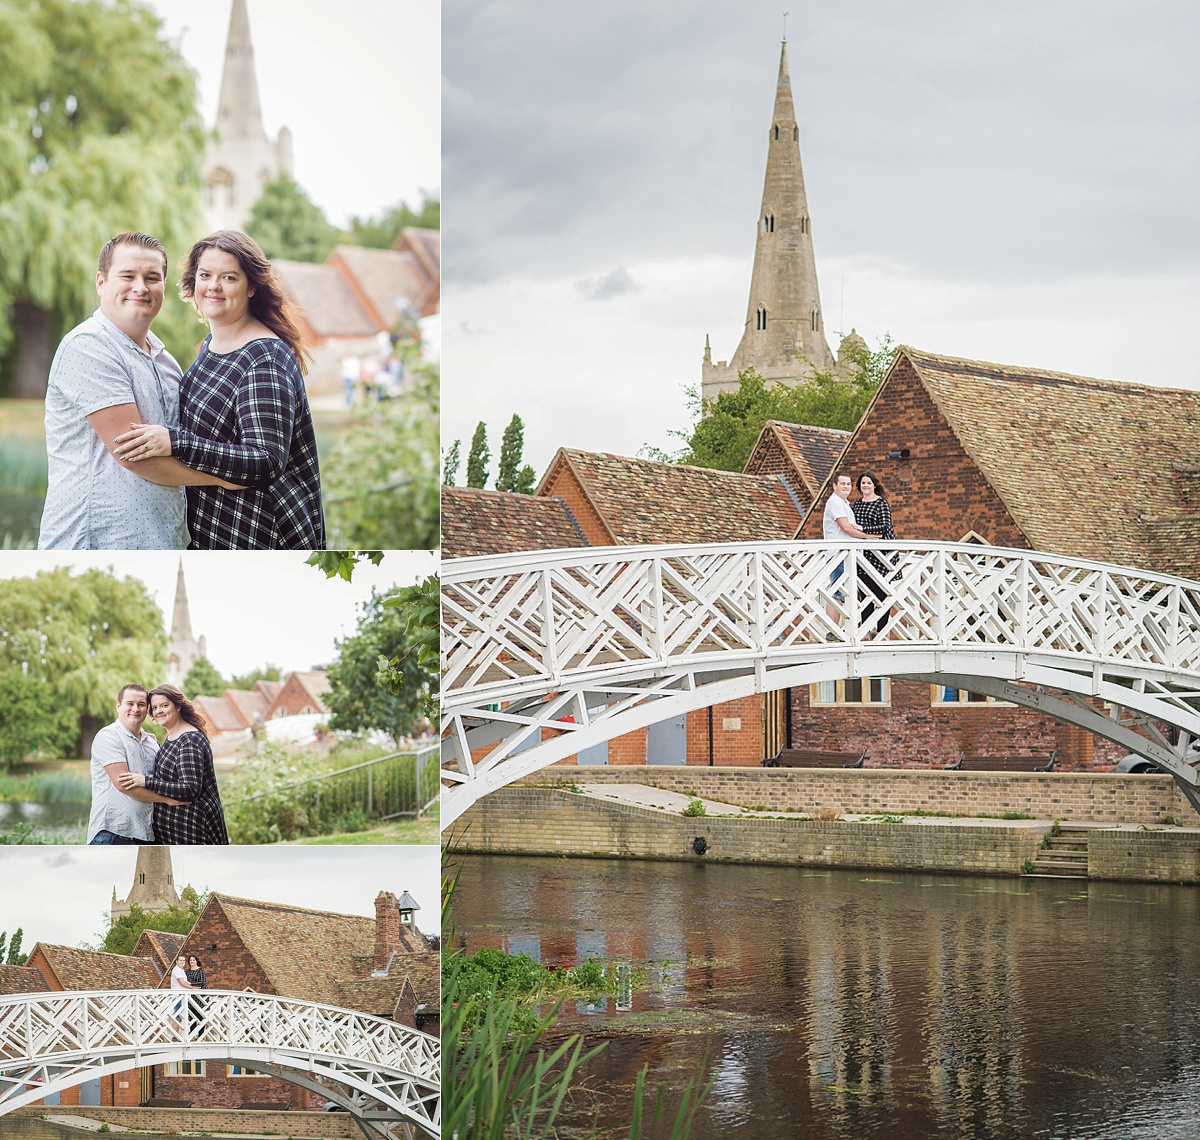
point(357, 83)
point(1010, 182)
point(253, 607)
point(61, 894)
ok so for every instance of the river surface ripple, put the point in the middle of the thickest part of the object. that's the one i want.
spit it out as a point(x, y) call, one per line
point(836, 1005)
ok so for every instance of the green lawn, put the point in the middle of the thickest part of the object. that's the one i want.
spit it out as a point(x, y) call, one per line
point(409, 831)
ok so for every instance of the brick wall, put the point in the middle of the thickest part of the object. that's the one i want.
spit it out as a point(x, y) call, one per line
point(1145, 856)
point(1082, 796)
point(939, 493)
point(213, 1121)
point(217, 1089)
point(563, 483)
point(229, 965)
point(543, 821)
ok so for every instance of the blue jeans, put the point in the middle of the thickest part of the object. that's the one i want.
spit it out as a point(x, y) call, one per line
point(110, 837)
point(838, 571)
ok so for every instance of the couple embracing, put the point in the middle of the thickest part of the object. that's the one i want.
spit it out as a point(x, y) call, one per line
point(142, 456)
point(144, 793)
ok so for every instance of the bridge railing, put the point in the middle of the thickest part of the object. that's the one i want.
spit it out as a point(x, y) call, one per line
point(39, 1027)
point(529, 622)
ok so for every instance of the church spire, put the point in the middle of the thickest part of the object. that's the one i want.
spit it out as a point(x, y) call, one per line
point(784, 333)
point(181, 618)
point(239, 114)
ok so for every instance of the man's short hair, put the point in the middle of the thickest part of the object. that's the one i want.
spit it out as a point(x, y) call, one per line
point(843, 475)
point(131, 685)
point(144, 240)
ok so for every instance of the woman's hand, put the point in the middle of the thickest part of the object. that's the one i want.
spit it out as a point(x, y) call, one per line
point(129, 780)
point(143, 441)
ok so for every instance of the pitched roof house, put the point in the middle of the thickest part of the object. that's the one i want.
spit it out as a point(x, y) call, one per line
point(161, 947)
point(619, 501)
point(802, 455)
point(69, 968)
point(1034, 459)
point(476, 522)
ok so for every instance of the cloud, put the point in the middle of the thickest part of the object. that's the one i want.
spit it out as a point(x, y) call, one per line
point(614, 284)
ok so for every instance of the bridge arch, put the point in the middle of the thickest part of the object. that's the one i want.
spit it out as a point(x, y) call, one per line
point(594, 643)
point(385, 1074)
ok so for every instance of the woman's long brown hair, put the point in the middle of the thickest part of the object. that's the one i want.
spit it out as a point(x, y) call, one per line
point(186, 709)
point(269, 304)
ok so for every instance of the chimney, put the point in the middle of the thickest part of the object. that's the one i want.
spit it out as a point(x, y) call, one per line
point(387, 930)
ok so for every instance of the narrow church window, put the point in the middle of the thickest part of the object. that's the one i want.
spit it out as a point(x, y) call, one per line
point(777, 130)
point(760, 318)
point(814, 319)
point(796, 133)
point(804, 223)
point(141, 877)
point(769, 224)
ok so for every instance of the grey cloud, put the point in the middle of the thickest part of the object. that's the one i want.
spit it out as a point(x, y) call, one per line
point(614, 284)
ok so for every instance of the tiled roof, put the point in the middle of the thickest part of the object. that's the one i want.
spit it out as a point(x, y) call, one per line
point(160, 946)
point(1087, 468)
point(269, 689)
point(313, 954)
point(248, 703)
point(495, 522)
point(219, 713)
point(383, 275)
point(21, 980)
point(95, 970)
point(643, 501)
point(425, 245)
point(812, 450)
point(326, 299)
point(315, 682)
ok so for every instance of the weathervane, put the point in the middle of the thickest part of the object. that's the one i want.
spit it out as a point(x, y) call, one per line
point(785, 16)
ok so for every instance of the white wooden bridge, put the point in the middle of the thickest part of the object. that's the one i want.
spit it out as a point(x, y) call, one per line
point(386, 1075)
point(594, 643)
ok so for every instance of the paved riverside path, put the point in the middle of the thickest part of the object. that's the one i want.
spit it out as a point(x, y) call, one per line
point(673, 803)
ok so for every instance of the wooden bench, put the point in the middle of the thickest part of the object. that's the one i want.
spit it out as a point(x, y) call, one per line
point(967, 763)
point(804, 758)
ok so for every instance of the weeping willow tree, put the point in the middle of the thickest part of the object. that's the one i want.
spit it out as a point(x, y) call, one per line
point(99, 134)
point(81, 637)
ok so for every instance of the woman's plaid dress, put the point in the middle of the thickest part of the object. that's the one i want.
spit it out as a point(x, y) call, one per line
point(244, 417)
point(184, 771)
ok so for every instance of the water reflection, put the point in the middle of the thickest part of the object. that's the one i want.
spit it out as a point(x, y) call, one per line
point(839, 1005)
point(50, 823)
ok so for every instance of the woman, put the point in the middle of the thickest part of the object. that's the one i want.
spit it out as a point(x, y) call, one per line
point(197, 979)
point(183, 771)
point(179, 981)
point(243, 409)
point(873, 513)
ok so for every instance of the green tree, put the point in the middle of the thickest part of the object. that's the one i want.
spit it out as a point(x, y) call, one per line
point(510, 474)
point(266, 672)
point(288, 224)
point(99, 133)
point(526, 480)
point(479, 457)
point(381, 482)
point(382, 232)
point(178, 918)
point(203, 680)
point(726, 428)
point(31, 719)
point(82, 636)
point(358, 701)
point(13, 957)
point(420, 608)
point(450, 463)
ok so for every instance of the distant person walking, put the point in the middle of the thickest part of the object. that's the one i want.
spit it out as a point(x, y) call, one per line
point(838, 525)
point(873, 514)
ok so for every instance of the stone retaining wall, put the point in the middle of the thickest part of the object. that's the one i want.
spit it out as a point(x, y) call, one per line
point(1078, 797)
point(210, 1120)
point(544, 821)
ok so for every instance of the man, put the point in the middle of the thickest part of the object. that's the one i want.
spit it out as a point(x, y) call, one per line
point(838, 525)
point(109, 372)
point(123, 746)
point(179, 981)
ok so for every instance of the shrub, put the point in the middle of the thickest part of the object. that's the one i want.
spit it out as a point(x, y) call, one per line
point(695, 807)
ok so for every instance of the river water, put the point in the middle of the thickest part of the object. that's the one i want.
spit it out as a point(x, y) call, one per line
point(45, 823)
point(838, 1005)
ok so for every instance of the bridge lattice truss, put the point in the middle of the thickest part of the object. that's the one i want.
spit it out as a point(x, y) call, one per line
point(385, 1074)
point(594, 643)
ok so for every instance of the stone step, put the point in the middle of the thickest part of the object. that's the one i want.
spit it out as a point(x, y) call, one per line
point(1077, 866)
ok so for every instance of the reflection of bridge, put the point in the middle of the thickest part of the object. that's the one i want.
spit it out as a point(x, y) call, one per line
point(595, 643)
point(385, 1074)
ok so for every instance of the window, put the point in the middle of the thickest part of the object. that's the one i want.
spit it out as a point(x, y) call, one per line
point(242, 1071)
point(185, 1069)
point(769, 224)
point(814, 319)
point(804, 223)
point(852, 691)
point(777, 130)
point(946, 695)
point(975, 537)
point(760, 318)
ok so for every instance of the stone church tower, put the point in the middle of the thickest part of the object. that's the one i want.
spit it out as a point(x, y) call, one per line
point(240, 158)
point(784, 335)
point(184, 650)
point(153, 883)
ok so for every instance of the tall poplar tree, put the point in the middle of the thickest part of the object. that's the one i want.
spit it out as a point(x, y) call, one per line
point(478, 457)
